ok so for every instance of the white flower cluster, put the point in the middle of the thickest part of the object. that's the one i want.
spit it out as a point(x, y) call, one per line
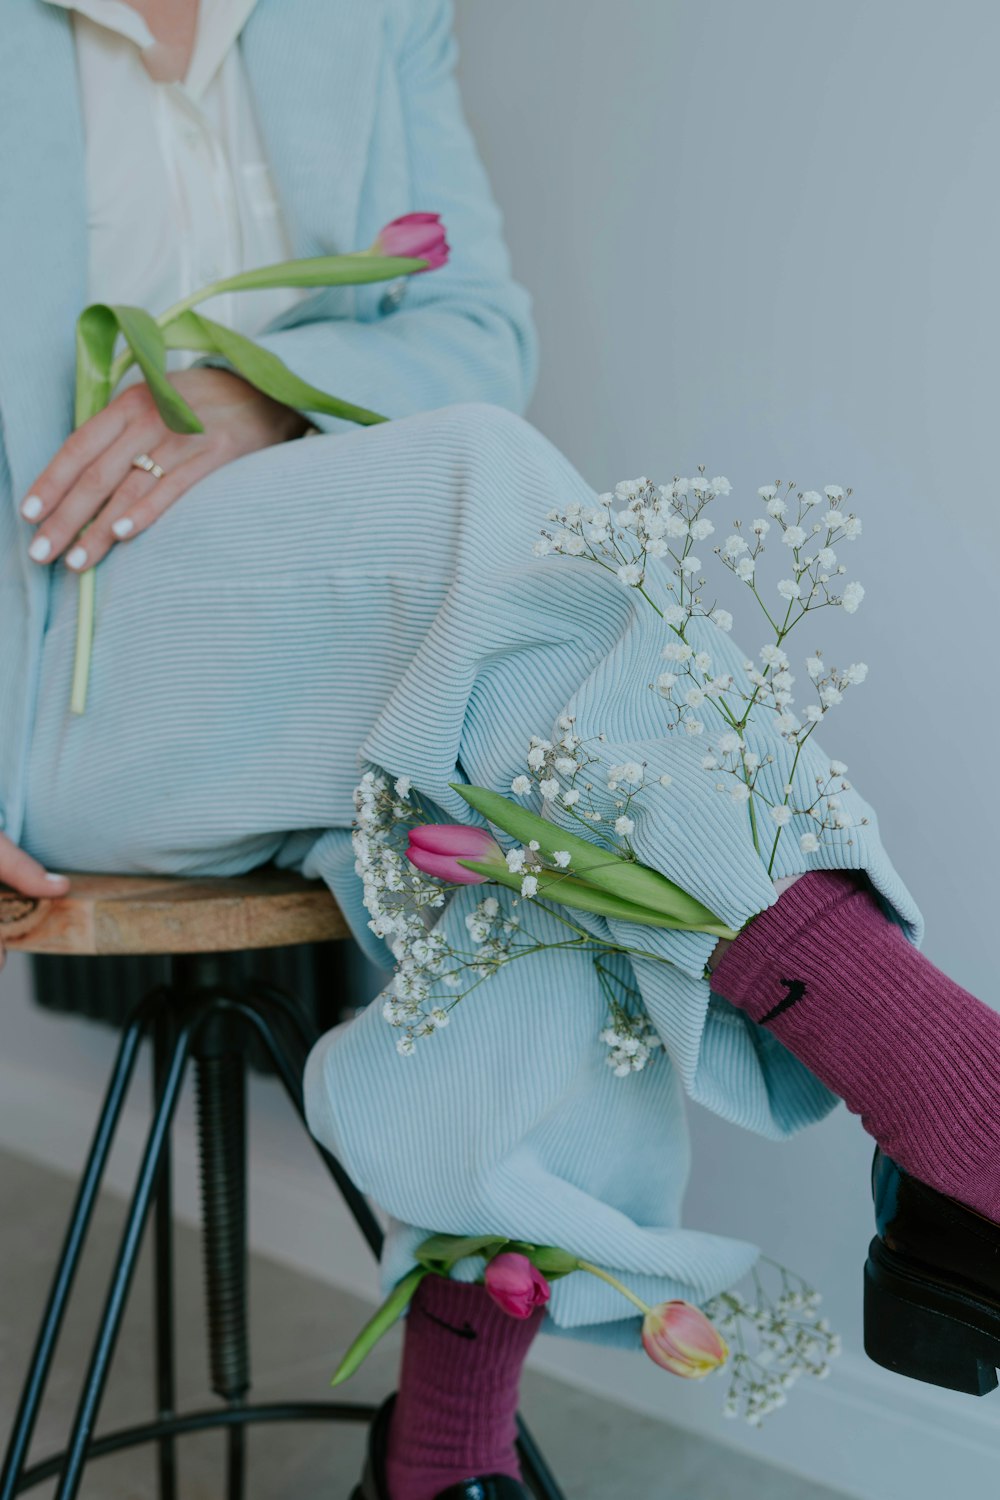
point(562, 772)
point(631, 1041)
point(633, 529)
point(431, 975)
point(789, 1342)
point(654, 522)
point(812, 572)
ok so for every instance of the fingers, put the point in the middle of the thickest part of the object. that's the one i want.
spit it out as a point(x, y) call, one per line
point(91, 495)
point(25, 875)
point(85, 447)
point(141, 499)
point(134, 486)
point(86, 497)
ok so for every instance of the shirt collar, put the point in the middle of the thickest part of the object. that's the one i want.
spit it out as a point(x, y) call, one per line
point(114, 15)
point(219, 24)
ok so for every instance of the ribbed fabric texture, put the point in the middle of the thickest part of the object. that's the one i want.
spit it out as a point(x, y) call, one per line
point(455, 1414)
point(376, 593)
point(911, 1052)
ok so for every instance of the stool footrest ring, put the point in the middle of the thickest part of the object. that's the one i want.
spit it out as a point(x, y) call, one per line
point(202, 1421)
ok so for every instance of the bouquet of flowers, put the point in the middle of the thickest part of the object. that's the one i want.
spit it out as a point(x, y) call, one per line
point(573, 856)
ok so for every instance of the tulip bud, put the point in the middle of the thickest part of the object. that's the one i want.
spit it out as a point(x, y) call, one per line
point(415, 236)
point(682, 1340)
point(516, 1285)
point(436, 848)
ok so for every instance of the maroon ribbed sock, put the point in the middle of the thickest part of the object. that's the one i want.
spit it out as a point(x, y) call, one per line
point(909, 1050)
point(455, 1414)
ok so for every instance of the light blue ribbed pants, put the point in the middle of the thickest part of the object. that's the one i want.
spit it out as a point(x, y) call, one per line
point(373, 599)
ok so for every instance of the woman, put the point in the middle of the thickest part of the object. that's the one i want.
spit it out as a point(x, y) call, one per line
point(270, 610)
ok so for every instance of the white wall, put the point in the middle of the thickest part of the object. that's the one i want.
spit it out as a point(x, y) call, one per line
point(763, 237)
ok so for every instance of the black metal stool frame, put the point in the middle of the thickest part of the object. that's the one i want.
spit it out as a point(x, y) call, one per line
point(198, 1016)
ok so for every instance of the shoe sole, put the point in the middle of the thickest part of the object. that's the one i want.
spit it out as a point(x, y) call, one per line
point(928, 1331)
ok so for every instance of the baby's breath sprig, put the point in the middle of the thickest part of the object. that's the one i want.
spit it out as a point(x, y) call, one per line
point(630, 1036)
point(649, 545)
point(776, 1340)
point(562, 773)
point(432, 974)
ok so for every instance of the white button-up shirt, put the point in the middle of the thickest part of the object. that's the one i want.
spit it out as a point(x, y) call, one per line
point(178, 188)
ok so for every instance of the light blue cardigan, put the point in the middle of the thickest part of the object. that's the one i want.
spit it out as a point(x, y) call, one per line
point(362, 122)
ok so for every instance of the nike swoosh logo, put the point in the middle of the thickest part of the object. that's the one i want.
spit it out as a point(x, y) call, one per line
point(796, 990)
point(465, 1332)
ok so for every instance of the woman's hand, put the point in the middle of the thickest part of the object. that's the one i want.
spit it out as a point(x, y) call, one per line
point(27, 877)
point(92, 482)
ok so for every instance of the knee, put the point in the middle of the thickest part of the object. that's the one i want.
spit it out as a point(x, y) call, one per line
point(478, 422)
point(498, 446)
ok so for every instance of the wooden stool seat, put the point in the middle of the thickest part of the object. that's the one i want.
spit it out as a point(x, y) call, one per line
point(116, 914)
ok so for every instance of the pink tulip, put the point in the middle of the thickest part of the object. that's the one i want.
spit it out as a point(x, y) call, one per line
point(516, 1285)
point(681, 1339)
point(436, 849)
point(420, 236)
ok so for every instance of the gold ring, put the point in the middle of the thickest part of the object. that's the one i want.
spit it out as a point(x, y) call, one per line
point(143, 461)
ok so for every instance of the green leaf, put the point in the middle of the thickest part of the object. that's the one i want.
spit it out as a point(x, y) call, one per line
point(191, 330)
point(96, 333)
point(145, 339)
point(548, 1259)
point(622, 877)
point(579, 895)
point(442, 1251)
point(390, 1312)
point(320, 270)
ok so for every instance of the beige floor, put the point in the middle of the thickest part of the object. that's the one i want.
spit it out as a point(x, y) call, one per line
point(599, 1451)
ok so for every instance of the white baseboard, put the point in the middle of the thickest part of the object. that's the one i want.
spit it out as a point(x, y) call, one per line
point(863, 1431)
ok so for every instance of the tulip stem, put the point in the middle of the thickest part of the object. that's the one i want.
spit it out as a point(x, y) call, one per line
point(584, 1265)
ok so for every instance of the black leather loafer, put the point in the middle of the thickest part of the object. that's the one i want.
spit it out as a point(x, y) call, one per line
point(932, 1285)
point(373, 1484)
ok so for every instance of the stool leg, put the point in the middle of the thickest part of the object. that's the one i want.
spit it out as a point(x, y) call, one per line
point(289, 1064)
point(221, 1091)
point(163, 1272)
point(128, 1253)
point(76, 1233)
point(287, 1006)
point(537, 1475)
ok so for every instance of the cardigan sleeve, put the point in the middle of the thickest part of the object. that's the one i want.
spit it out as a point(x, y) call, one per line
point(461, 333)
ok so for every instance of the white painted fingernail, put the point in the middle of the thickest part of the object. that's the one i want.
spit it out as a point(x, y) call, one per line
point(76, 558)
point(40, 549)
point(32, 508)
point(124, 526)
point(56, 879)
